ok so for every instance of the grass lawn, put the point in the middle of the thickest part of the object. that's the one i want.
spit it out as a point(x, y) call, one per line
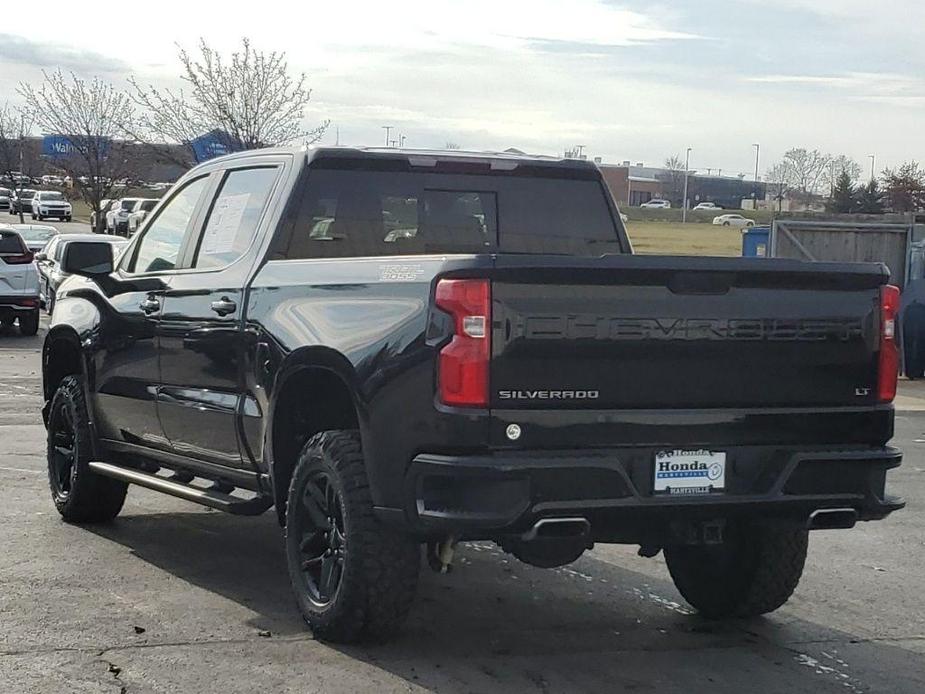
point(674, 238)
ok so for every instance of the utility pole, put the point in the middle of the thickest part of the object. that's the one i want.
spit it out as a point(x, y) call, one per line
point(755, 193)
point(401, 141)
point(388, 132)
point(687, 168)
point(872, 160)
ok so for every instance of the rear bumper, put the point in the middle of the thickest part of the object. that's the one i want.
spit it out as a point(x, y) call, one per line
point(20, 302)
point(491, 496)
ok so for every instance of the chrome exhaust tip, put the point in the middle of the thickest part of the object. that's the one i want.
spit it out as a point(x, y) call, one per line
point(832, 518)
point(557, 528)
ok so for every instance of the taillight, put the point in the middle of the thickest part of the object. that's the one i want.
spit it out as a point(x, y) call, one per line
point(462, 372)
point(888, 367)
point(18, 259)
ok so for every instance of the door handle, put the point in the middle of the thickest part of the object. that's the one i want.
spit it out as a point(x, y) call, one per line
point(224, 306)
point(150, 305)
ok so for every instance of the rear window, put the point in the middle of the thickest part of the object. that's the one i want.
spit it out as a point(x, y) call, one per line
point(11, 243)
point(344, 213)
point(148, 205)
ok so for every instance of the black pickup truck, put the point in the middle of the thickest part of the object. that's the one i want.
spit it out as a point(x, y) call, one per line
point(398, 349)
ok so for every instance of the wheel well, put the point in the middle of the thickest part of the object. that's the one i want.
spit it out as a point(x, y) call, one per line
point(311, 400)
point(62, 358)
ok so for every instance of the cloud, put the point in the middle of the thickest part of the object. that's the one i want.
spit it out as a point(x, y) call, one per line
point(46, 54)
point(895, 88)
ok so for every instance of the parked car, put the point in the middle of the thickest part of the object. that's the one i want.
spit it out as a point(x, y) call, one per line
point(19, 284)
point(657, 204)
point(51, 180)
point(139, 211)
point(51, 270)
point(21, 201)
point(733, 220)
point(524, 379)
point(712, 206)
point(50, 203)
point(117, 215)
point(36, 236)
point(105, 205)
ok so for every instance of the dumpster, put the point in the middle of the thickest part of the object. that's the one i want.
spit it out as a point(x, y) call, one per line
point(756, 242)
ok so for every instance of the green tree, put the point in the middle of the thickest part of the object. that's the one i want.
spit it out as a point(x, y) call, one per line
point(870, 198)
point(843, 195)
point(905, 187)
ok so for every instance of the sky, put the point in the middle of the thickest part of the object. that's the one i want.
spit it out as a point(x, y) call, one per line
point(629, 80)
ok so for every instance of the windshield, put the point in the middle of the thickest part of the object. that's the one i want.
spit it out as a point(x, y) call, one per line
point(52, 196)
point(36, 233)
point(5, 191)
point(128, 204)
point(27, 194)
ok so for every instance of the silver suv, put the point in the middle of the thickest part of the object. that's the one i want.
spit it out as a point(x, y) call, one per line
point(19, 284)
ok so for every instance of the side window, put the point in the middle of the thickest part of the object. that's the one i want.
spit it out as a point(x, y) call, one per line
point(234, 216)
point(160, 247)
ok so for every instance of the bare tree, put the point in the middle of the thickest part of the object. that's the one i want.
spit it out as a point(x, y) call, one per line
point(778, 180)
point(249, 102)
point(452, 145)
point(839, 165)
point(673, 180)
point(15, 127)
point(88, 116)
point(803, 170)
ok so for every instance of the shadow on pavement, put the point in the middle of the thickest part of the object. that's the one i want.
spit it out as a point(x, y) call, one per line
point(496, 624)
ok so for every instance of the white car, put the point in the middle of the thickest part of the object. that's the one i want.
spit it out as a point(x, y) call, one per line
point(52, 180)
point(19, 284)
point(712, 206)
point(139, 212)
point(117, 216)
point(657, 204)
point(50, 203)
point(733, 220)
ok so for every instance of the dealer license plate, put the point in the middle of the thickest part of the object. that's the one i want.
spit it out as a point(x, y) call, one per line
point(689, 472)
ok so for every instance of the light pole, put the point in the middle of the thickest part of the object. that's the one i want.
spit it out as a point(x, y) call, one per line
point(401, 141)
point(388, 131)
point(687, 167)
point(755, 193)
point(872, 160)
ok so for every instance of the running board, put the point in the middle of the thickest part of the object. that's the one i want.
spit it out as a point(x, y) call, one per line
point(205, 497)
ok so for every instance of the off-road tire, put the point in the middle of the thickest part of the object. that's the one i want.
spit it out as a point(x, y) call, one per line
point(29, 323)
point(379, 577)
point(89, 498)
point(753, 572)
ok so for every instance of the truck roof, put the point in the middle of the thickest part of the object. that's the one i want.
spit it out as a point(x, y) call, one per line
point(509, 159)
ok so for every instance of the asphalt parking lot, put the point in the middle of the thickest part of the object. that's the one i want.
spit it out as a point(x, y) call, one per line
point(175, 598)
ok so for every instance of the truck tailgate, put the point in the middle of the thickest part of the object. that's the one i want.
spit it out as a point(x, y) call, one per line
point(631, 332)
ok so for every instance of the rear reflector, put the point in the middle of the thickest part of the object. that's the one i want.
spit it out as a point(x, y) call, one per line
point(888, 367)
point(18, 258)
point(462, 371)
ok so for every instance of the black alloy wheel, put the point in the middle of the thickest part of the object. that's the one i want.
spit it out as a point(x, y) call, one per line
point(63, 451)
point(323, 540)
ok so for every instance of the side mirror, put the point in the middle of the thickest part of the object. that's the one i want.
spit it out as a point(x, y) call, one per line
point(87, 258)
point(40, 256)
